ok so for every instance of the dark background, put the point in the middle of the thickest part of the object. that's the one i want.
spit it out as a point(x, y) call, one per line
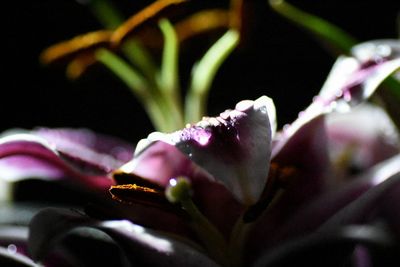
point(279, 60)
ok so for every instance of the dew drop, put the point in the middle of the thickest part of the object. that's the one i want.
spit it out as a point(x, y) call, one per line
point(347, 96)
point(286, 127)
point(383, 50)
point(172, 182)
point(12, 249)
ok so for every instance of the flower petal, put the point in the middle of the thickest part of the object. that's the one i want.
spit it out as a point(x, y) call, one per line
point(331, 248)
point(355, 143)
point(354, 79)
point(234, 147)
point(369, 206)
point(15, 259)
point(140, 245)
point(80, 155)
point(157, 162)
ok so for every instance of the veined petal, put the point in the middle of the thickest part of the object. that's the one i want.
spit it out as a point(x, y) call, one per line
point(233, 148)
point(79, 155)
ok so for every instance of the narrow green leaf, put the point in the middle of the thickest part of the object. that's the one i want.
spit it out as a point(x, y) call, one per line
point(204, 72)
point(138, 86)
point(111, 18)
point(132, 78)
point(106, 13)
point(169, 67)
point(139, 56)
point(334, 36)
point(341, 42)
point(168, 81)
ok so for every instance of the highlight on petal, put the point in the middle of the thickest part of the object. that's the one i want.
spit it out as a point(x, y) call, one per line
point(376, 50)
point(9, 258)
point(233, 148)
point(354, 79)
point(27, 155)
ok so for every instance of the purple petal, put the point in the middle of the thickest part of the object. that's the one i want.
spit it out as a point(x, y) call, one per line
point(52, 154)
point(141, 245)
point(161, 161)
point(384, 195)
point(354, 203)
point(306, 152)
point(354, 79)
point(351, 81)
point(106, 151)
point(356, 143)
point(233, 148)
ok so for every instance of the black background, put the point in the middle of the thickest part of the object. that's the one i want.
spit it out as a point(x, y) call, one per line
point(279, 60)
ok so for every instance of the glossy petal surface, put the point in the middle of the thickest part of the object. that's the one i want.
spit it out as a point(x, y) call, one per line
point(233, 148)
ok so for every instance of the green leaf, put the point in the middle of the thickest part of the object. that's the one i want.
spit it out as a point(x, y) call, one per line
point(169, 67)
point(203, 74)
point(168, 81)
point(341, 41)
point(106, 13)
point(138, 86)
point(139, 56)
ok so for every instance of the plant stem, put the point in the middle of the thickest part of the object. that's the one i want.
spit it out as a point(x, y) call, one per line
point(203, 74)
point(209, 235)
point(138, 86)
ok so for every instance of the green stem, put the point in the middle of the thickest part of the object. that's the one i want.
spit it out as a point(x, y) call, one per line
point(140, 57)
point(169, 66)
point(342, 42)
point(137, 84)
point(106, 13)
point(326, 31)
point(209, 235)
point(236, 242)
point(169, 78)
point(180, 191)
point(204, 73)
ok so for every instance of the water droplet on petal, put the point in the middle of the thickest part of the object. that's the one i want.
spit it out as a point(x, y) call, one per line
point(172, 182)
point(286, 127)
point(12, 249)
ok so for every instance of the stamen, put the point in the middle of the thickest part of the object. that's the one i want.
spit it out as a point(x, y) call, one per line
point(133, 193)
point(202, 22)
point(76, 45)
point(140, 18)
